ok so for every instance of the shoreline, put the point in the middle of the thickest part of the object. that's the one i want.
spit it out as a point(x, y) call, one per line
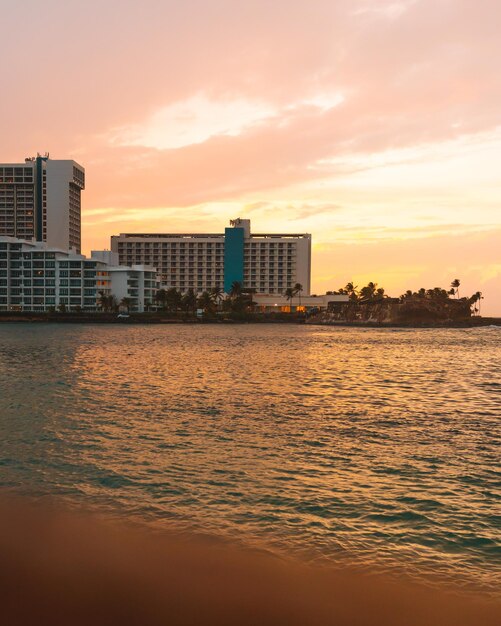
point(136, 576)
point(155, 318)
point(473, 323)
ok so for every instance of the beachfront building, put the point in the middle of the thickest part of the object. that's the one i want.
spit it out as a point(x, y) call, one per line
point(37, 277)
point(265, 303)
point(40, 200)
point(267, 263)
point(136, 284)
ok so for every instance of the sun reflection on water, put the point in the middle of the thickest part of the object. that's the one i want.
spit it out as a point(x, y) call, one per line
point(376, 446)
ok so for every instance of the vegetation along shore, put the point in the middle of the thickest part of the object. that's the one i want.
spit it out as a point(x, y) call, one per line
point(369, 306)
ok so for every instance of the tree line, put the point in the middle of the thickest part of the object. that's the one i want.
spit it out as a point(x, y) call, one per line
point(172, 300)
point(372, 293)
point(240, 299)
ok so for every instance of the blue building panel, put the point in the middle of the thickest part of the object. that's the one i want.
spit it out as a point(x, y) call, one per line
point(233, 257)
point(39, 199)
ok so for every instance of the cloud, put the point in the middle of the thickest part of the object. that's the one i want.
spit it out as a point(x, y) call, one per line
point(192, 121)
point(197, 119)
point(338, 116)
point(288, 210)
point(390, 10)
point(386, 234)
point(255, 89)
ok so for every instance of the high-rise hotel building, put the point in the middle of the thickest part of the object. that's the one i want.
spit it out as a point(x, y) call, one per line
point(40, 201)
point(266, 263)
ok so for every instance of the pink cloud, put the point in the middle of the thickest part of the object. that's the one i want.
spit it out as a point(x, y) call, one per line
point(412, 74)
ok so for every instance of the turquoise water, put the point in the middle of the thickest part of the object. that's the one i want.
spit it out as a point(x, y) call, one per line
point(376, 447)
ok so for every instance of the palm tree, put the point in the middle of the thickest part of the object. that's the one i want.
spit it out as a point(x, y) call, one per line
point(205, 301)
point(161, 297)
point(479, 298)
point(367, 292)
point(249, 297)
point(455, 285)
point(476, 297)
point(351, 290)
point(189, 300)
point(217, 295)
point(236, 289)
point(173, 299)
point(106, 302)
point(289, 294)
point(102, 302)
point(298, 288)
point(127, 303)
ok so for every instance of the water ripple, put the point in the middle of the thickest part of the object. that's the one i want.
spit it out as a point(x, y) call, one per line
point(376, 446)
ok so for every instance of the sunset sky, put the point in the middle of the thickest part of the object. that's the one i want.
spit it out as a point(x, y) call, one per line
point(373, 125)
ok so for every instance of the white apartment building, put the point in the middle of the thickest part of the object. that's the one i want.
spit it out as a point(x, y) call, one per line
point(267, 263)
point(138, 284)
point(40, 200)
point(37, 277)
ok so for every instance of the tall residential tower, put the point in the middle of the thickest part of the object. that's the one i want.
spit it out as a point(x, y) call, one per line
point(40, 201)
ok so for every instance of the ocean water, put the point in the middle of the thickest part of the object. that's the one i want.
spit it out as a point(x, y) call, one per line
point(374, 447)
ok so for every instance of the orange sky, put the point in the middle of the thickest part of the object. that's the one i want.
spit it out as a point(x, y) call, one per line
point(374, 125)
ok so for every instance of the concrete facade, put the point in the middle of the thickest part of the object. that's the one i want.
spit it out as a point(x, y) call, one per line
point(137, 285)
point(266, 263)
point(40, 200)
point(37, 277)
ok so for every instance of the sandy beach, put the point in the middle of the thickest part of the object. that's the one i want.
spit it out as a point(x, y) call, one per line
point(62, 568)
